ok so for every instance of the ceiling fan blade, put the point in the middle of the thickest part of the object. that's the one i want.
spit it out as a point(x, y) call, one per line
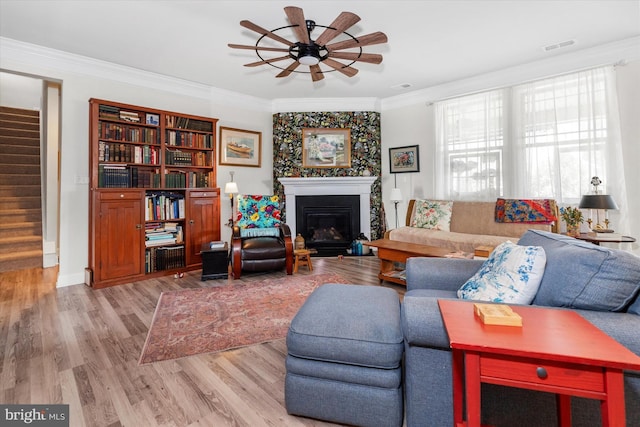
point(270, 49)
point(369, 39)
point(296, 17)
point(338, 66)
point(268, 61)
point(316, 73)
point(289, 69)
point(341, 23)
point(372, 58)
point(258, 29)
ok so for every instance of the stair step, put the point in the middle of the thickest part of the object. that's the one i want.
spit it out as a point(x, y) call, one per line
point(20, 243)
point(20, 190)
point(20, 178)
point(18, 124)
point(25, 150)
point(12, 216)
point(19, 118)
point(19, 133)
point(20, 140)
point(20, 159)
point(19, 112)
point(21, 229)
point(20, 260)
point(20, 202)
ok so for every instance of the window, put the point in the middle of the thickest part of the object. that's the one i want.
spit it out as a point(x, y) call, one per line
point(471, 141)
point(539, 139)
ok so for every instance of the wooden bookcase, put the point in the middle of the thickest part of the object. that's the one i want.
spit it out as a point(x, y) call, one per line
point(153, 198)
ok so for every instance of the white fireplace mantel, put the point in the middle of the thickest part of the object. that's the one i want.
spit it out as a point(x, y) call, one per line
point(329, 186)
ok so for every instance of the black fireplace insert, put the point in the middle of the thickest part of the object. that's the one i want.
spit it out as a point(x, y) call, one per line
point(328, 223)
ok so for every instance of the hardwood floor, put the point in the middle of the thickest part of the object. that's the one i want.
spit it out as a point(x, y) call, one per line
point(80, 346)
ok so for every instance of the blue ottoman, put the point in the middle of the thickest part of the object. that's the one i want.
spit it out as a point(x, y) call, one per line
point(344, 361)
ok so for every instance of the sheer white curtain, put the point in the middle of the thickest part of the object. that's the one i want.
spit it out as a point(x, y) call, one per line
point(543, 139)
point(470, 147)
point(566, 130)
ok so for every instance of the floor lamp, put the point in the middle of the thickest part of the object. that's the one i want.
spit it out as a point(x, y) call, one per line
point(231, 188)
point(396, 197)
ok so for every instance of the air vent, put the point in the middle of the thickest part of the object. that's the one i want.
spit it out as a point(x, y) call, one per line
point(401, 86)
point(558, 45)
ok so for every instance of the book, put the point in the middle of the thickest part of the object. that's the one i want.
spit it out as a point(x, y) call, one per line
point(497, 314)
point(483, 251)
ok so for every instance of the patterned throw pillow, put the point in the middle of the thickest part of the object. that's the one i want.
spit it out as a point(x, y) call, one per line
point(511, 274)
point(258, 212)
point(432, 214)
point(526, 210)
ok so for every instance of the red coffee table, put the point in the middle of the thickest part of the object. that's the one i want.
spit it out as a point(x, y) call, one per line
point(555, 351)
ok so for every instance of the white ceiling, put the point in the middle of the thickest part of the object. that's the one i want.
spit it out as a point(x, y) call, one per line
point(430, 42)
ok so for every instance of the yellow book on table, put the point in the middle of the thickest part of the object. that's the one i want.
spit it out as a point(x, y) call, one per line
point(497, 314)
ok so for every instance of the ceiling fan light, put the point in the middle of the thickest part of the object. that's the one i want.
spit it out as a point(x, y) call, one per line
point(309, 60)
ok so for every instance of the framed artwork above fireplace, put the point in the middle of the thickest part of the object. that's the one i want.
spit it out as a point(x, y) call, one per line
point(326, 148)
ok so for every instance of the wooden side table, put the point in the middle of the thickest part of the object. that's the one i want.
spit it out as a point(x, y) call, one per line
point(605, 239)
point(555, 351)
point(215, 262)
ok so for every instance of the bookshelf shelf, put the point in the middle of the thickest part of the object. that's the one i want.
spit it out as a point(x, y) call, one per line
point(153, 194)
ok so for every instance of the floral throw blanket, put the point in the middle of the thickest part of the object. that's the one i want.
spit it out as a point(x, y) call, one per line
point(526, 210)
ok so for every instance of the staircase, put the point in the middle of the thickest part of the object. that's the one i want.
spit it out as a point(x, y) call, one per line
point(20, 203)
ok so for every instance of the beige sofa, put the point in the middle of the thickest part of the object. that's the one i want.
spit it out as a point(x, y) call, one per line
point(472, 225)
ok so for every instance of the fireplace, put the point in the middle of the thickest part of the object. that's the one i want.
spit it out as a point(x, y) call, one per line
point(328, 223)
point(357, 187)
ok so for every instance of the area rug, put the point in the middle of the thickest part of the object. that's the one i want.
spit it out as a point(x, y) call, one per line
point(196, 321)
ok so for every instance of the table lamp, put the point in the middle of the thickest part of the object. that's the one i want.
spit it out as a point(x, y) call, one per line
point(231, 188)
point(396, 197)
point(598, 201)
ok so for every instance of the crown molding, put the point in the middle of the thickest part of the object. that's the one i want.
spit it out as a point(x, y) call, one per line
point(285, 105)
point(606, 54)
point(20, 54)
point(31, 55)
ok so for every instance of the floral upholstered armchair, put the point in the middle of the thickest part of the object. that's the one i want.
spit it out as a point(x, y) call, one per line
point(260, 241)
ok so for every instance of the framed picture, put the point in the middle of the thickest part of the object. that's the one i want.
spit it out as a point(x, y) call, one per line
point(404, 159)
point(153, 119)
point(326, 148)
point(240, 147)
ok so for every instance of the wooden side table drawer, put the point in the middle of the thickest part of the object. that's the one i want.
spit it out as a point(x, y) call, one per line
point(497, 370)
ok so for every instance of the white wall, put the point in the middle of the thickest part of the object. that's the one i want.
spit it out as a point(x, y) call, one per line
point(83, 79)
point(414, 124)
point(628, 81)
point(20, 91)
point(406, 120)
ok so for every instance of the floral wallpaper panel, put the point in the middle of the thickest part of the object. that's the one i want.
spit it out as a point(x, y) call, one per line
point(365, 153)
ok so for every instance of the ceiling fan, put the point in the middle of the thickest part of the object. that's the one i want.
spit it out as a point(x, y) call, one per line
point(313, 52)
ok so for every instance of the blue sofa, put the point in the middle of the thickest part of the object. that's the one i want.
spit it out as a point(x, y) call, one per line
point(601, 284)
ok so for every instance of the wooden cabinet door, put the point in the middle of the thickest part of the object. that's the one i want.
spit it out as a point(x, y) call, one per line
point(120, 233)
point(203, 223)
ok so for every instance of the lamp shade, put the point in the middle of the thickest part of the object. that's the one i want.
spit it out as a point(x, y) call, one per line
point(597, 201)
point(230, 188)
point(396, 195)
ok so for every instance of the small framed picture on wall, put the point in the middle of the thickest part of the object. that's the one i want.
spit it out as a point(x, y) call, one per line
point(404, 159)
point(239, 147)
